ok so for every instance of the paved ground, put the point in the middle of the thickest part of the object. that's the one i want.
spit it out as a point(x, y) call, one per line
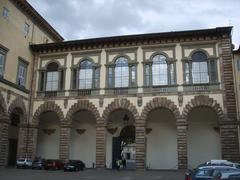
point(23, 174)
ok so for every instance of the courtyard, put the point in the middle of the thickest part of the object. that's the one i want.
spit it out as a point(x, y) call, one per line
point(89, 174)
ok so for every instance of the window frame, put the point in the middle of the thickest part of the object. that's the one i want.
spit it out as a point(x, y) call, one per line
point(23, 63)
point(3, 52)
point(5, 12)
point(110, 81)
point(212, 61)
point(148, 82)
point(26, 29)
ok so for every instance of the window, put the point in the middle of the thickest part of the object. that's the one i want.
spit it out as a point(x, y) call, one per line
point(52, 77)
point(159, 71)
point(5, 12)
point(199, 69)
point(85, 75)
point(122, 74)
point(26, 29)
point(2, 63)
point(22, 73)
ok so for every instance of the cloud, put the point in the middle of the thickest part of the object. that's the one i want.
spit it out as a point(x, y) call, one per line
point(78, 19)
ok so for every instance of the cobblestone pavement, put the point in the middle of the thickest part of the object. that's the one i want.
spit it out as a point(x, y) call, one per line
point(28, 174)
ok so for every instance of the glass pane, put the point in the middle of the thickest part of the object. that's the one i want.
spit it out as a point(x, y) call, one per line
point(97, 77)
point(187, 77)
point(199, 57)
point(200, 72)
point(85, 78)
point(21, 74)
point(213, 71)
point(172, 75)
point(159, 71)
point(133, 74)
point(52, 81)
point(121, 72)
point(110, 77)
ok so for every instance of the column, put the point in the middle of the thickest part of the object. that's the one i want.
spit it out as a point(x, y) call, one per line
point(100, 145)
point(140, 144)
point(182, 142)
point(65, 133)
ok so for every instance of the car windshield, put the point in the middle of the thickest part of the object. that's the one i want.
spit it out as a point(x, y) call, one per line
point(21, 159)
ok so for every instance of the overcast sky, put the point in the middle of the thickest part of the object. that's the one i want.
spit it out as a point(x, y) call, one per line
point(79, 19)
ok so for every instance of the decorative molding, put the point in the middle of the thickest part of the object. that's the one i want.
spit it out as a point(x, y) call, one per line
point(49, 131)
point(80, 131)
point(8, 96)
point(112, 130)
point(65, 103)
point(101, 101)
point(139, 101)
point(180, 99)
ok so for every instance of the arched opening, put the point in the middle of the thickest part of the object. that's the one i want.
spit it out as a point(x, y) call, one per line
point(48, 136)
point(120, 139)
point(161, 140)
point(83, 138)
point(13, 133)
point(203, 136)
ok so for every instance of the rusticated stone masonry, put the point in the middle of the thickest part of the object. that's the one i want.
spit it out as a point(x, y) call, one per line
point(229, 131)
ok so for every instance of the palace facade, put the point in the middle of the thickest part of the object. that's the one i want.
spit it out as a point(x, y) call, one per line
point(160, 101)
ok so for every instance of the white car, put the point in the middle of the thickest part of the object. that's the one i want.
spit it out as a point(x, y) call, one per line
point(24, 163)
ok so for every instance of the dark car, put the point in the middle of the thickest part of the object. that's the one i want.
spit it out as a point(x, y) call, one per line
point(74, 165)
point(209, 172)
point(53, 165)
point(38, 164)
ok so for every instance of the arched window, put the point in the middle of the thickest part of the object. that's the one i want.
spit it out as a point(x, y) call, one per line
point(200, 68)
point(121, 72)
point(85, 77)
point(52, 79)
point(159, 71)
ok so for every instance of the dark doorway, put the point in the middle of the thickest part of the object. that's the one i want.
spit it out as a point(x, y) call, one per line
point(116, 151)
point(12, 153)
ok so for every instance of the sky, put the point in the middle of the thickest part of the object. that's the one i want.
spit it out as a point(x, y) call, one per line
point(81, 19)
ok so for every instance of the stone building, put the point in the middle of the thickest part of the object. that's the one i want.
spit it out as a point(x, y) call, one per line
point(164, 100)
point(20, 26)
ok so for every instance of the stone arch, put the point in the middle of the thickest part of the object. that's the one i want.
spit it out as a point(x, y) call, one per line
point(18, 103)
point(160, 102)
point(120, 104)
point(3, 106)
point(203, 101)
point(48, 106)
point(83, 105)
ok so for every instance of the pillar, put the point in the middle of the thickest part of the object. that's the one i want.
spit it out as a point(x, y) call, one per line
point(100, 145)
point(140, 144)
point(65, 133)
point(4, 124)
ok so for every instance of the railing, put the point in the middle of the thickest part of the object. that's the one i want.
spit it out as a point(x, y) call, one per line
point(84, 92)
point(160, 89)
point(49, 94)
point(121, 91)
point(201, 87)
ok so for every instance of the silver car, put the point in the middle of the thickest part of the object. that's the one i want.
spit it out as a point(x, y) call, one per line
point(24, 163)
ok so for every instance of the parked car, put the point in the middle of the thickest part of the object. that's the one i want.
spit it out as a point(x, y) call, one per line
point(23, 163)
point(38, 164)
point(230, 175)
point(220, 163)
point(74, 165)
point(53, 165)
point(210, 172)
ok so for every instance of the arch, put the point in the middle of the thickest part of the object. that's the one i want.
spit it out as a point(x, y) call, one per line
point(121, 56)
point(85, 59)
point(159, 53)
point(160, 102)
point(53, 61)
point(120, 104)
point(18, 103)
point(198, 50)
point(82, 105)
point(3, 106)
point(204, 101)
point(46, 107)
